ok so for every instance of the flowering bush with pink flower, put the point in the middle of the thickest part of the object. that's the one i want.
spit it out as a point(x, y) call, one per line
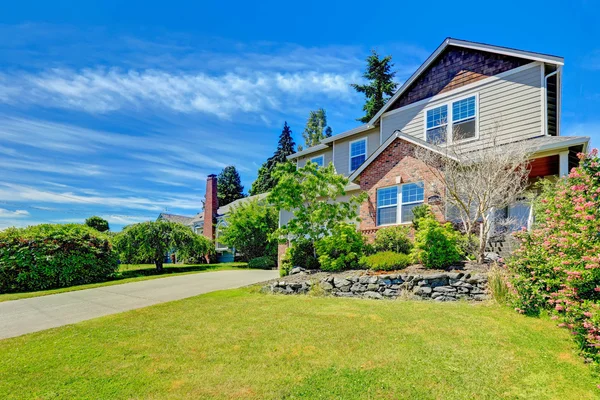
point(557, 266)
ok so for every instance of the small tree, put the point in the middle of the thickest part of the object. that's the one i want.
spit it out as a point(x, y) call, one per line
point(478, 183)
point(316, 128)
point(265, 181)
point(249, 228)
point(312, 194)
point(98, 223)
point(153, 240)
point(229, 186)
point(381, 84)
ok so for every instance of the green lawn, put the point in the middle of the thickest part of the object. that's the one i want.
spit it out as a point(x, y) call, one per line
point(132, 273)
point(240, 344)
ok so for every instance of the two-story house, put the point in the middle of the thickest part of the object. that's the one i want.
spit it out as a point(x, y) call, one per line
point(456, 96)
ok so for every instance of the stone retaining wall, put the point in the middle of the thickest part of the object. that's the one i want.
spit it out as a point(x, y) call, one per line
point(451, 286)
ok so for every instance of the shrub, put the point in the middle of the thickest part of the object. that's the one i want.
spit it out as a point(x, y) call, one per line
point(51, 256)
point(386, 261)
point(557, 267)
point(497, 282)
point(302, 253)
point(98, 223)
point(264, 262)
point(341, 250)
point(420, 212)
point(199, 248)
point(436, 245)
point(393, 238)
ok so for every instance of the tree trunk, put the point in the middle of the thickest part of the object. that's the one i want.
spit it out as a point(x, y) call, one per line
point(482, 244)
point(159, 265)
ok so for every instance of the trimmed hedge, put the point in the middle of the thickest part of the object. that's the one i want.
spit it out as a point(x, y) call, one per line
point(264, 262)
point(386, 261)
point(50, 256)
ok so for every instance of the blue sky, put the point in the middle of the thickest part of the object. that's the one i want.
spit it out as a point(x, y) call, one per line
point(121, 109)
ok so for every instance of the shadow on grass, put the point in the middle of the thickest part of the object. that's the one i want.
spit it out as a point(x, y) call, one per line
point(148, 271)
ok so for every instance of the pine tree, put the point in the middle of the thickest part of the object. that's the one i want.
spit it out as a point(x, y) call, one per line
point(381, 84)
point(229, 186)
point(316, 128)
point(265, 182)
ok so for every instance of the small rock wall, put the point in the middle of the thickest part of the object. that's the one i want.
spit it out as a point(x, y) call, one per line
point(451, 286)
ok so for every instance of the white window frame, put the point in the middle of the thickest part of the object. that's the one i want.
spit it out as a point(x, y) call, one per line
point(322, 157)
point(399, 203)
point(350, 152)
point(450, 123)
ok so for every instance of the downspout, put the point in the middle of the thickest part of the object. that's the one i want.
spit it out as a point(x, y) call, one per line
point(546, 100)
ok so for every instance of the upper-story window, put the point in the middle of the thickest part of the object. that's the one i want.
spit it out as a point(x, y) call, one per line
point(319, 160)
point(407, 196)
point(358, 153)
point(459, 115)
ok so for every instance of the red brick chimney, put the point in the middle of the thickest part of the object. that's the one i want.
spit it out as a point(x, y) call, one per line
point(211, 205)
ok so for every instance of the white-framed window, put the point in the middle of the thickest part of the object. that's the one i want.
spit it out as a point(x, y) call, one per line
point(459, 116)
point(358, 153)
point(319, 160)
point(395, 203)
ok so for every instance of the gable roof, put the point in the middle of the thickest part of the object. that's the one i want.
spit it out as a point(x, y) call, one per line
point(397, 135)
point(182, 219)
point(547, 58)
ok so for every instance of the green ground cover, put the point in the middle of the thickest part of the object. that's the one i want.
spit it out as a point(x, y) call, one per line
point(240, 344)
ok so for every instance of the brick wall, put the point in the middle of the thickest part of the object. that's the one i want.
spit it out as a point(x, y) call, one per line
point(395, 165)
point(454, 68)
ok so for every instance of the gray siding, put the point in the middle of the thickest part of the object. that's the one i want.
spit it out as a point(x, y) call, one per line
point(342, 149)
point(514, 101)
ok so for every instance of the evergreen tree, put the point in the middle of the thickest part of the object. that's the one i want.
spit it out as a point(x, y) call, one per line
point(265, 182)
point(98, 223)
point(381, 84)
point(316, 128)
point(229, 186)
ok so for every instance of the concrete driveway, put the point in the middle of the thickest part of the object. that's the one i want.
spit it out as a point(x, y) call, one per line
point(23, 316)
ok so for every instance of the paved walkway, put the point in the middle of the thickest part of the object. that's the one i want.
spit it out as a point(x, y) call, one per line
point(23, 316)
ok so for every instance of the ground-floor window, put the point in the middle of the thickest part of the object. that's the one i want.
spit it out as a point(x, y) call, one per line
point(395, 203)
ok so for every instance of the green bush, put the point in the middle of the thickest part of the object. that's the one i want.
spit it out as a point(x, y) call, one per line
point(342, 249)
point(302, 254)
point(50, 256)
point(264, 262)
point(199, 248)
point(386, 261)
point(436, 245)
point(420, 212)
point(393, 238)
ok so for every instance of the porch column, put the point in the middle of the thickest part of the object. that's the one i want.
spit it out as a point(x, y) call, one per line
point(563, 164)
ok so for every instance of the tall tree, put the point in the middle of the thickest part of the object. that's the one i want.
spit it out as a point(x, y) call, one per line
point(265, 181)
point(229, 186)
point(316, 128)
point(381, 84)
point(98, 223)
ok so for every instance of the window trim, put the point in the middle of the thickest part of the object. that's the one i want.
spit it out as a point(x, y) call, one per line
point(365, 139)
point(450, 124)
point(322, 157)
point(399, 203)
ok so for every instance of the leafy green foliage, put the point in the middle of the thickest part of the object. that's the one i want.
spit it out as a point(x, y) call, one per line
point(302, 253)
point(51, 256)
point(498, 284)
point(557, 266)
point(249, 229)
point(265, 180)
point(310, 193)
point(393, 238)
point(98, 223)
point(386, 261)
point(229, 186)
point(420, 212)
point(138, 243)
point(342, 249)
point(264, 262)
point(199, 250)
point(381, 84)
point(316, 128)
point(436, 245)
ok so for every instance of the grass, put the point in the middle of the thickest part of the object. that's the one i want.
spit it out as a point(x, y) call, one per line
point(240, 344)
point(131, 273)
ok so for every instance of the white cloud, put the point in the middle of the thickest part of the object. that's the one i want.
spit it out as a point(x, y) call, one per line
point(101, 90)
point(4, 213)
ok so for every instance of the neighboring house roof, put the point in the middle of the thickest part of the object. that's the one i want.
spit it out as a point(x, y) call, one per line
point(529, 55)
point(226, 209)
point(389, 141)
point(182, 219)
